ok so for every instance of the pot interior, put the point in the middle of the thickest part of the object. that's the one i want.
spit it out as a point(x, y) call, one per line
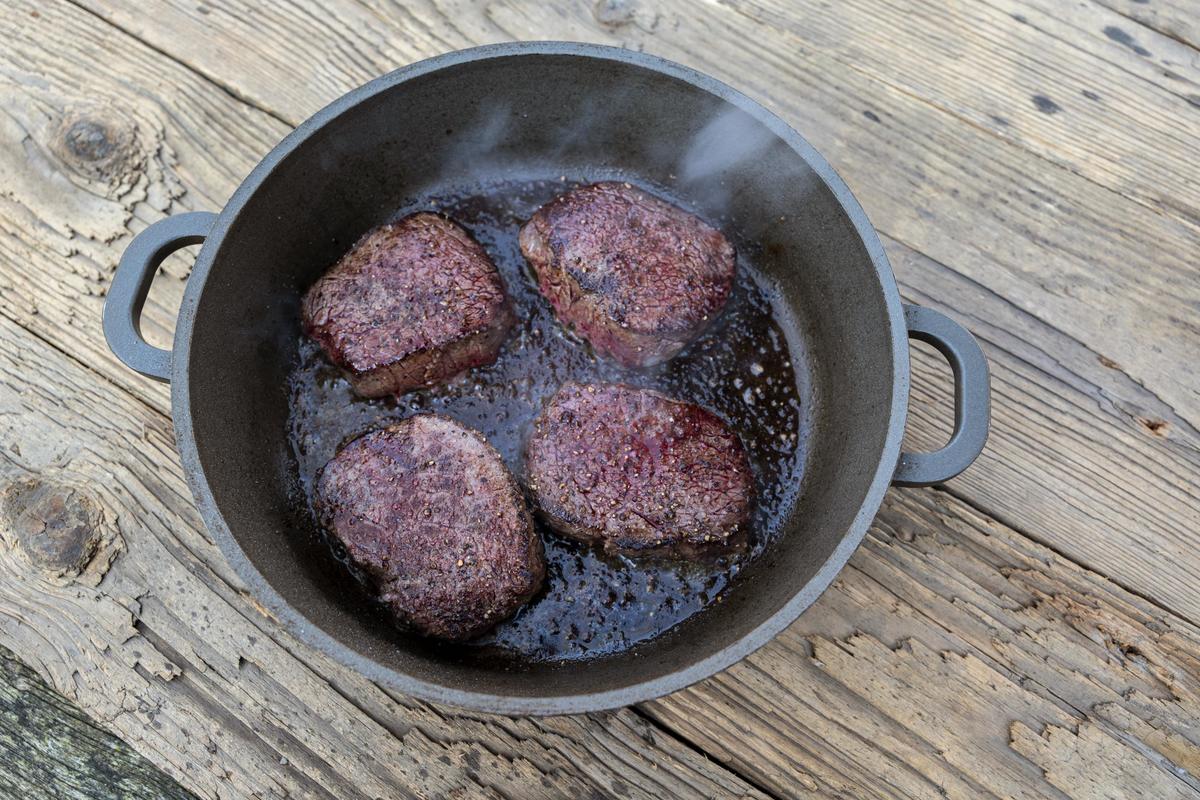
point(510, 115)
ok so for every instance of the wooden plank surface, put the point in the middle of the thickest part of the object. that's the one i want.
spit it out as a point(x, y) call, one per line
point(954, 655)
point(1108, 279)
point(983, 643)
point(1034, 643)
point(1176, 19)
point(50, 750)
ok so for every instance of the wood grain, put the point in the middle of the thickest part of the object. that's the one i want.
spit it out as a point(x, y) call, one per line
point(956, 656)
point(161, 141)
point(1077, 448)
point(948, 635)
point(1039, 93)
point(1176, 19)
point(1102, 29)
point(921, 670)
point(1019, 240)
point(1030, 49)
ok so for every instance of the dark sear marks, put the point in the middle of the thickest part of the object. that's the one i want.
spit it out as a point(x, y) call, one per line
point(635, 471)
point(427, 509)
point(414, 303)
point(636, 276)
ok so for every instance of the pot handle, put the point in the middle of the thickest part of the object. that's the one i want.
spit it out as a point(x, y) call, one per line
point(131, 284)
point(972, 411)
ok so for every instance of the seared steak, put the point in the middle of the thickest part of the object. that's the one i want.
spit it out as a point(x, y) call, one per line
point(412, 304)
point(429, 512)
point(634, 470)
point(636, 276)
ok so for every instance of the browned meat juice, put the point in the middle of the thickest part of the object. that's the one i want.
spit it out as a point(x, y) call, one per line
point(593, 604)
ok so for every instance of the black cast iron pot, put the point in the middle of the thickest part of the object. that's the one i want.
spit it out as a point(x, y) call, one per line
point(570, 108)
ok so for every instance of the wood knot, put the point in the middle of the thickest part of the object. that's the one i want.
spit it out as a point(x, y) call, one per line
point(58, 526)
point(95, 146)
point(88, 140)
point(1156, 427)
point(614, 13)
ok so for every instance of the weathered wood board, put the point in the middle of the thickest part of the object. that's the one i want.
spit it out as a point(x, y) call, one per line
point(1015, 231)
point(50, 750)
point(1029, 631)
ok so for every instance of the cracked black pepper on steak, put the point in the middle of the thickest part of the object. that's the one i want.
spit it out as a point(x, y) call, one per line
point(427, 509)
point(636, 276)
point(636, 471)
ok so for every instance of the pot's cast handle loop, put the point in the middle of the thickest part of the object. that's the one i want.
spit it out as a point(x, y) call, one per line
point(971, 401)
point(131, 284)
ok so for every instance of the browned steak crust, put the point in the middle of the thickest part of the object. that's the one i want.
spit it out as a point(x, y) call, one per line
point(427, 509)
point(636, 276)
point(634, 470)
point(413, 304)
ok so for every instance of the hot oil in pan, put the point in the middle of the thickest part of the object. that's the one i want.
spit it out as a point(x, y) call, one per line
point(593, 604)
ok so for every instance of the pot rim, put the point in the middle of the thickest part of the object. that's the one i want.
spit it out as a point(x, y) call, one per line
point(515, 705)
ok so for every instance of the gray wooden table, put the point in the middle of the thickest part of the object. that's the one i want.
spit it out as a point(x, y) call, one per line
point(1029, 630)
